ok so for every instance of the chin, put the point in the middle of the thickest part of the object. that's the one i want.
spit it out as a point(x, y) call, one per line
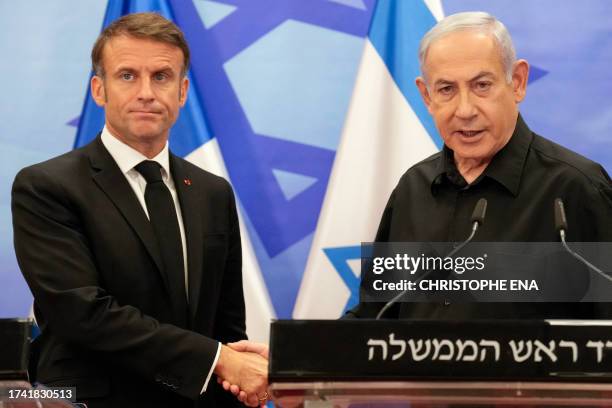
point(474, 153)
point(148, 133)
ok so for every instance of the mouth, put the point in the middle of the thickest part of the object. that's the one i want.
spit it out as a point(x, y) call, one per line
point(143, 112)
point(470, 133)
point(145, 115)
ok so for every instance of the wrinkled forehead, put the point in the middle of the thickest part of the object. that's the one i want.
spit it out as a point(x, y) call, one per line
point(463, 52)
point(126, 49)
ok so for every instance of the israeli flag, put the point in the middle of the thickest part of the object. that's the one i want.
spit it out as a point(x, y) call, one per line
point(191, 139)
point(387, 130)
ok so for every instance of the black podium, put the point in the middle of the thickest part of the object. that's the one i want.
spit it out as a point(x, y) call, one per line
point(404, 363)
point(15, 390)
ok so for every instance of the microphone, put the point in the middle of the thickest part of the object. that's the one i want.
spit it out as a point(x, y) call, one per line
point(480, 211)
point(478, 215)
point(560, 218)
point(477, 219)
point(561, 227)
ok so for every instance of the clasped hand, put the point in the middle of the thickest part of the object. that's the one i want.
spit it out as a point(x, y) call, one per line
point(242, 369)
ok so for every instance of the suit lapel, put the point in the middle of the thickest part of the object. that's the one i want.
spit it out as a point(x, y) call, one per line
point(192, 222)
point(111, 180)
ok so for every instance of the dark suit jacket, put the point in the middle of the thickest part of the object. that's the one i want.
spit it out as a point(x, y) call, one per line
point(90, 257)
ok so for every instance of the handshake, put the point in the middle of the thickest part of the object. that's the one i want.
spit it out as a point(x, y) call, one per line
point(242, 369)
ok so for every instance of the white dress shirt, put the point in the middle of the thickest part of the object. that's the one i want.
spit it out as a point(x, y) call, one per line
point(127, 158)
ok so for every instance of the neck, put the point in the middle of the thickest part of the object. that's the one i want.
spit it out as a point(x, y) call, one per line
point(147, 147)
point(149, 150)
point(470, 169)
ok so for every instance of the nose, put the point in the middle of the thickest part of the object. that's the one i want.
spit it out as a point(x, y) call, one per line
point(145, 91)
point(466, 107)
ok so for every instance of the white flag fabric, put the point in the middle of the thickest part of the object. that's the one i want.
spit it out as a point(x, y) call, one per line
point(387, 130)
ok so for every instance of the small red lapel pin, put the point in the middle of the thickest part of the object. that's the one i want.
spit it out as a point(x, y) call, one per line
point(187, 181)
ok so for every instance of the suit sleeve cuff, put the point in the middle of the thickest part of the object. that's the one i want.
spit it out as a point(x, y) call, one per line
point(212, 368)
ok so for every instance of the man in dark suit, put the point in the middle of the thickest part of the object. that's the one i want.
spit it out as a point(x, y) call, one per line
point(133, 254)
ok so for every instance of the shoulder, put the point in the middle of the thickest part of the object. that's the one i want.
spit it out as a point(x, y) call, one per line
point(582, 183)
point(51, 187)
point(67, 166)
point(424, 171)
point(201, 177)
point(570, 165)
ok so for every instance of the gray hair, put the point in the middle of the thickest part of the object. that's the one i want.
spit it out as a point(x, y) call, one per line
point(472, 20)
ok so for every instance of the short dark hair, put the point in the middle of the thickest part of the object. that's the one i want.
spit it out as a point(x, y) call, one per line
point(150, 26)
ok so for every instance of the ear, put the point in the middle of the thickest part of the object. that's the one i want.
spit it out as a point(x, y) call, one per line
point(97, 90)
point(520, 75)
point(184, 88)
point(420, 83)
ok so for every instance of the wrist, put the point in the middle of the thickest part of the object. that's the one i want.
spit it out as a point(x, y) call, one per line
point(224, 362)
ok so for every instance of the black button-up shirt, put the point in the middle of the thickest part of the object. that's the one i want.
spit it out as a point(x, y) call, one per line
point(433, 203)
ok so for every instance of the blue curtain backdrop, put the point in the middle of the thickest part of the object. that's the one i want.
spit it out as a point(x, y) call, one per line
point(271, 83)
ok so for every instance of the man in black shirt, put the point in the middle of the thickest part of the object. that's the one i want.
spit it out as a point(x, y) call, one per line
point(472, 85)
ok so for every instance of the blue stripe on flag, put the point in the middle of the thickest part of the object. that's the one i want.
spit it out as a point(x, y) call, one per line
point(395, 32)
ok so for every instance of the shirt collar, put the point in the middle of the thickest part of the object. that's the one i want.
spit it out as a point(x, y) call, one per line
point(127, 157)
point(506, 167)
point(508, 164)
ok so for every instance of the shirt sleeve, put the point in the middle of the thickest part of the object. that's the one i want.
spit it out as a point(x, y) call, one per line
point(212, 368)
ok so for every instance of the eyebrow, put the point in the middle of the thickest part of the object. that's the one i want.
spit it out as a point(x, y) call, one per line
point(163, 68)
point(123, 68)
point(480, 75)
point(443, 82)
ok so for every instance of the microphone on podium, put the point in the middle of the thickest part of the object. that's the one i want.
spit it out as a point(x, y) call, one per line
point(561, 227)
point(477, 219)
point(478, 216)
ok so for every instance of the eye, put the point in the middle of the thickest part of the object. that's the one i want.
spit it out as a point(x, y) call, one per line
point(127, 76)
point(160, 76)
point(483, 85)
point(445, 90)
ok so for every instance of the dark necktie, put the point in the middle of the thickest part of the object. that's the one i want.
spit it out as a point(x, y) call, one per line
point(162, 215)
